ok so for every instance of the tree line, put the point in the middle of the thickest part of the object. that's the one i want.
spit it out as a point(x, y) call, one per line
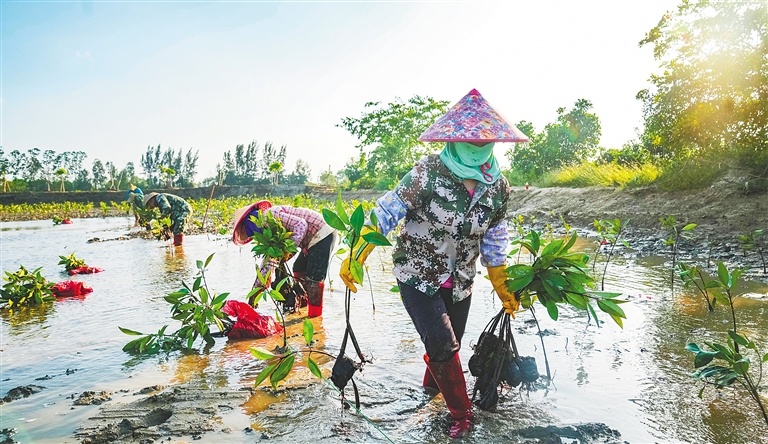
point(706, 111)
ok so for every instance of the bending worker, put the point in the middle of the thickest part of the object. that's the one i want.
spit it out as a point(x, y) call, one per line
point(171, 206)
point(313, 237)
point(454, 206)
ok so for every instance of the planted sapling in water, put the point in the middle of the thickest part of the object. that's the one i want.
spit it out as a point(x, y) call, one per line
point(674, 234)
point(754, 241)
point(733, 358)
point(610, 234)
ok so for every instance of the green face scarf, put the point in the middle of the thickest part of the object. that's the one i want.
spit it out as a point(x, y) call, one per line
point(471, 162)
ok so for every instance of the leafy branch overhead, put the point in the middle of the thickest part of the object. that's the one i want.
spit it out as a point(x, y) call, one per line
point(559, 276)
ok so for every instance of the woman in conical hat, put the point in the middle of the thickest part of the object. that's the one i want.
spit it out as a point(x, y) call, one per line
point(454, 206)
point(313, 237)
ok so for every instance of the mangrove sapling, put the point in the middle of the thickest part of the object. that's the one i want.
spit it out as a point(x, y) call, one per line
point(736, 366)
point(669, 224)
point(196, 307)
point(692, 276)
point(24, 287)
point(610, 231)
point(262, 291)
point(556, 276)
point(753, 241)
point(559, 276)
point(280, 364)
point(71, 262)
point(358, 237)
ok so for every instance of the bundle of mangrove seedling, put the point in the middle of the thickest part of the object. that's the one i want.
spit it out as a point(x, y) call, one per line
point(496, 362)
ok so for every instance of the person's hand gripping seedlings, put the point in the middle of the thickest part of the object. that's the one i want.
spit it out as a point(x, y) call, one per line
point(360, 253)
point(498, 277)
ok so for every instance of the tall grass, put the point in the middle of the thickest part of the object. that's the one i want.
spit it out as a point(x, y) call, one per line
point(607, 175)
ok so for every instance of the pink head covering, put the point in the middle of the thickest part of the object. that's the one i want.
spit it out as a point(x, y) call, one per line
point(472, 119)
point(239, 234)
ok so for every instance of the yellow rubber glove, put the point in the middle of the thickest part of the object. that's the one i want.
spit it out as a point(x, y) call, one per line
point(361, 253)
point(499, 280)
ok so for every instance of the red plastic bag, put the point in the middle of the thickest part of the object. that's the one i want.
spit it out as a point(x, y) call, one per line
point(249, 324)
point(70, 288)
point(85, 269)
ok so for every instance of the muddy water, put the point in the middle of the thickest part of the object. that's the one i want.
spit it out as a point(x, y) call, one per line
point(609, 384)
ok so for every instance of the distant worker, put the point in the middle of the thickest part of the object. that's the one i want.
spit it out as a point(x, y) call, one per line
point(135, 198)
point(313, 237)
point(174, 207)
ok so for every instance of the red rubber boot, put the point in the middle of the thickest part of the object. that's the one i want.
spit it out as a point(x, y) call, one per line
point(429, 380)
point(178, 239)
point(314, 298)
point(450, 380)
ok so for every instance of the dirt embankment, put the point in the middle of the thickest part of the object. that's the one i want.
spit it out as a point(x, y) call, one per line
point(721, 212)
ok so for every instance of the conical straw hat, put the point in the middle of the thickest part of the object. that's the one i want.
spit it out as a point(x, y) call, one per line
point(472, 119)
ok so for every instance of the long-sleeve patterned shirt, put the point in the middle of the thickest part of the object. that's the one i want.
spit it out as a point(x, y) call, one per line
point(445, 228)
point(307, 226)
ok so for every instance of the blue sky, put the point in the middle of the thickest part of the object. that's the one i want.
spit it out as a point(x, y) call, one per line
point(111, 78)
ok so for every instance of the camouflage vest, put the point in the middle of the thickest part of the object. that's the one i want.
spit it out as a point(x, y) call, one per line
point(443, 227)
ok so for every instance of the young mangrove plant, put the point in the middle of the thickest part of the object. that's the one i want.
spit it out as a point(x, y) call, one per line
point(753, 241)
point(674, 234)
point(733, 358)
point(692, 277)
point(196, 307)
point(556, 276)
point(24, 287)
point(71, 262)
point(360, 239)
point(280, 364)
point(609, 231)
point(559, 276)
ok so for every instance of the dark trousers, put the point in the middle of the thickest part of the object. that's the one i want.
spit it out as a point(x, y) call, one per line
point(439, 321)
point(315, 263)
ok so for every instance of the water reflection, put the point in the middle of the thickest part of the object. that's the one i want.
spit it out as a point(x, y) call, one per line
point(635, 380)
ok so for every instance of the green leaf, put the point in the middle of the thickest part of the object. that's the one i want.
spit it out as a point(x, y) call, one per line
point(611, 308)
point(208, 260)
point(617, 320)
point(395, 289)
point(689, 227)
point(220, 298)
point(703, 358)
point(765, 358)
point(357, 219)
point(263, 374)
point(309, 331)
point(313, 367)
point(282, 370)
point(340, 211)
point(376, 238)
point(737, 338)
point(552, 247)
point(129, 332)
point(333, 220)
point(260, 353)
point(357, 270)
point(552, 310)
point(692, 347)
point(741, 366)
point(199, 264)
point(722, 274)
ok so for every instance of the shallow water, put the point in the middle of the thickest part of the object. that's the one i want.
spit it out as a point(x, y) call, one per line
point(635, 381)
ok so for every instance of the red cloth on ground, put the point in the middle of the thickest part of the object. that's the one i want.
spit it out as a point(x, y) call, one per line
point(249, 324)
point(85, 270)
point(70, 288)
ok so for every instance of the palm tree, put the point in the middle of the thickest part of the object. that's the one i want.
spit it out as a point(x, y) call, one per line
point(275, 168)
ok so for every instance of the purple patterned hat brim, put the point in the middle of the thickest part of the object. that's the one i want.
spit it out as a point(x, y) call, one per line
point(472, 119)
